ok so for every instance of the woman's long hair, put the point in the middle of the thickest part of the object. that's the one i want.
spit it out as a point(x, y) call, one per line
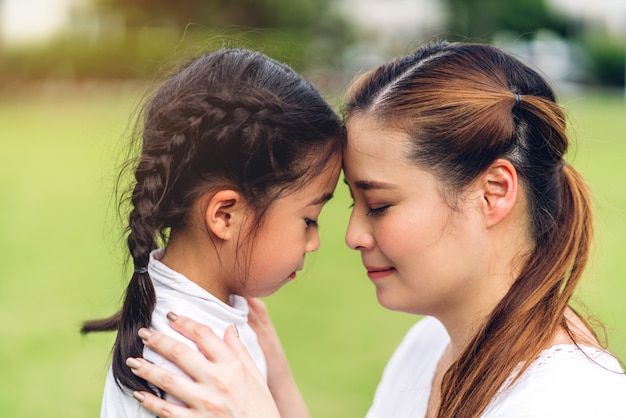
point(464, 106)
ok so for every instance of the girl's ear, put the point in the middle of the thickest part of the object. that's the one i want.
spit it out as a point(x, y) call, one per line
point(499, 191)
point(225, 213)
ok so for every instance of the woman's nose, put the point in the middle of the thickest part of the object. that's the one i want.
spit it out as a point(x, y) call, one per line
point(358, 235)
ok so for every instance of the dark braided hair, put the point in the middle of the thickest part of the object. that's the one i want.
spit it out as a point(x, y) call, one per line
point(232, 118)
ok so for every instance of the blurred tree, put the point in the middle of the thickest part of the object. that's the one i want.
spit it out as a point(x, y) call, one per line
point(480, 19)
point(607, 57)
point(283, 29)
point(220, 13)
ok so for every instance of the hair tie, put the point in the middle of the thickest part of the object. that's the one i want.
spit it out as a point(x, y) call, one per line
point(518, 99)
point(141, 269)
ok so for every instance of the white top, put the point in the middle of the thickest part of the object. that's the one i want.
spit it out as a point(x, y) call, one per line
point(561, 382)
point(176, 293)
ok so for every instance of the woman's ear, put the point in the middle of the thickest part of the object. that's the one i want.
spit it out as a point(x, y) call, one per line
point(499, 191)
point(225, 213)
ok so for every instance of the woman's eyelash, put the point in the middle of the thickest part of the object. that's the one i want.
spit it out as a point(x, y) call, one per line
point(373, 212)
point(378, 211)
point(311, 222)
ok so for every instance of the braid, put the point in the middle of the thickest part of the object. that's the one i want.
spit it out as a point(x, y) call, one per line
point(152, 176)
point(232, 118)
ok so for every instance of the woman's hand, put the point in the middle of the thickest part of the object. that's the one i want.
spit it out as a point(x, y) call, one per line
point(279, 377)
point(226, 382)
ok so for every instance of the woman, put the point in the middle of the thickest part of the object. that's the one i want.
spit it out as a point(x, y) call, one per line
point(464, 211)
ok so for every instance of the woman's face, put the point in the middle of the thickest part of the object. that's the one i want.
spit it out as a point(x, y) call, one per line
point(422, 256)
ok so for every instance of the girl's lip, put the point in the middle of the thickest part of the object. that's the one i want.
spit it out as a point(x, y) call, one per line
point(379, 272)
point(292, 275)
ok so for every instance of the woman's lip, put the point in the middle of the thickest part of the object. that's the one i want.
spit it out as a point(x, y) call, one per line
point(379, 272)
point(292, 276)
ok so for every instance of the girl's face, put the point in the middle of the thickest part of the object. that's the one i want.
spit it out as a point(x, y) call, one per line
point(288, 232)
point(422, 256)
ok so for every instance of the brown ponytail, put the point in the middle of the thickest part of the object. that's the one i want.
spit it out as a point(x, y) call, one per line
point(465, 105)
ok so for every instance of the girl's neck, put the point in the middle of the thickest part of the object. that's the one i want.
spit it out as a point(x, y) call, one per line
point(196, 262)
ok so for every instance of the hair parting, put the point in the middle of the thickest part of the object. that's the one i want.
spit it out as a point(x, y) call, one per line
point(464, 106)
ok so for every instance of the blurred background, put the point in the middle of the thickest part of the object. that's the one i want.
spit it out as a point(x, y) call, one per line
point(72, 74)
point(573, 41)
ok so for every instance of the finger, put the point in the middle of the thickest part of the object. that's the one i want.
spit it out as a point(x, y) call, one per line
point(232, 340)
point(209, 344)
point(257, 306)
point(262, 325)
point(159, 407)
point(258, 315)
point(171, 383)
point(190, 361)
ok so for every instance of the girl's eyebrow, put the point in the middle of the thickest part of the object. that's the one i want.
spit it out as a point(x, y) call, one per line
point(370, 184)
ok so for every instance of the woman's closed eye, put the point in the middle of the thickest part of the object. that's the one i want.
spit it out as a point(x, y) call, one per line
point(378, 211)
point(373, 211)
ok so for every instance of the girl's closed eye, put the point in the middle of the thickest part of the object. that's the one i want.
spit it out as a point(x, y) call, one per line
point(311, 222)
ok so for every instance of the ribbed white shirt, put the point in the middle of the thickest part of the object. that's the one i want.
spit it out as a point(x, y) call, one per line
point(176, 293)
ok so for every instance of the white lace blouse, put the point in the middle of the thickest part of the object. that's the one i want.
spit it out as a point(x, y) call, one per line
point(562, 382)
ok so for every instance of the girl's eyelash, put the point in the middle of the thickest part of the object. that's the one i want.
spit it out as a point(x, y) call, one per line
point(311, 222)
point(378, 211)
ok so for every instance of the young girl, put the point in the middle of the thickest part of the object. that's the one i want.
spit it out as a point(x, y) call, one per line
point(465, 211)
point(238, 156)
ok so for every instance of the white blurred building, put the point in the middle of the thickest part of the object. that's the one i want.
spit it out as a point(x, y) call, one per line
point(31, 21)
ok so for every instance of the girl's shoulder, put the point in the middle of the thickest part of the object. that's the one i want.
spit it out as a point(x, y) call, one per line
point(566, 380)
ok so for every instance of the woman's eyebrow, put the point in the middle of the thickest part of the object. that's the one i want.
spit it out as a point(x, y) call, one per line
point(370, 184)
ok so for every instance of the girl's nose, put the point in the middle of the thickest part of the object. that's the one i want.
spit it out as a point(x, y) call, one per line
point(313, 243)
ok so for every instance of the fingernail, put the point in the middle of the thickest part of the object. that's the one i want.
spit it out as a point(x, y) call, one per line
point(172, 316)
point(133, 363)
point(236, 330)
point(144, 333)
point(138, 396)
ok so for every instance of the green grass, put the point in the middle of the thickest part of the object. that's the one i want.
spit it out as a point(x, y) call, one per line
point(62, 260)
